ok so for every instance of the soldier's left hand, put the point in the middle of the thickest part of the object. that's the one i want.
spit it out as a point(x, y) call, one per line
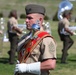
point(29, 68)
point(20, 68)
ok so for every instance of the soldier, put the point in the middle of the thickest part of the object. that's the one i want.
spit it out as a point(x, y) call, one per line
point(12, 35)
point(67, 41)
point(38, 55)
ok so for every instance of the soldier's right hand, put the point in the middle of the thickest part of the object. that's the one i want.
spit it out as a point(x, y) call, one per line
point(74, 33)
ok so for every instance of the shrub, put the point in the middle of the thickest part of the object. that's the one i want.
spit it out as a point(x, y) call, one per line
point(1, 14)
point(22, 16)
point(46, 17)
point(55, 18)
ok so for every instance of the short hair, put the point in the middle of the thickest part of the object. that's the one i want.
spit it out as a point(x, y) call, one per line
point(13, 13)
point(66, 12)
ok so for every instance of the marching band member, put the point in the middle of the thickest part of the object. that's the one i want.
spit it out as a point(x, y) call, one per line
point(13, 35)
point(37, 55)
point(63, 28)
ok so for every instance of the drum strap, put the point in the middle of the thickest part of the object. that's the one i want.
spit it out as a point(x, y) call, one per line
point(23, 55)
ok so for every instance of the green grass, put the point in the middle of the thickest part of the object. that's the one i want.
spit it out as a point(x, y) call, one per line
point(51, 8)
point(50, 5)
point(61, 69)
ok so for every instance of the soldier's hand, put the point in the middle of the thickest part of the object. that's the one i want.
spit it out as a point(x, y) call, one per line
point(30, 68)
point(20, 68)
point(74, 33)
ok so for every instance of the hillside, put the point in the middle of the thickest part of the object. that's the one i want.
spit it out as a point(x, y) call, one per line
point(50, 5)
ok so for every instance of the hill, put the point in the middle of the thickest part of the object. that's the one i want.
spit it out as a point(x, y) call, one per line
point(50, 5)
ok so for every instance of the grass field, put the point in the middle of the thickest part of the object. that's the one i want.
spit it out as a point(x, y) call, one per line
point(50, 5)
point(51, 8)
point(61, 69)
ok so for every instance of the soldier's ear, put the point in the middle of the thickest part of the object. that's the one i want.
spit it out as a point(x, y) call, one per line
point(40, 19)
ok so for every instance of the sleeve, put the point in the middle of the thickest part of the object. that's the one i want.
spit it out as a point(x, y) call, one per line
point(66, 23)
point(49, 48)
point(12, 23)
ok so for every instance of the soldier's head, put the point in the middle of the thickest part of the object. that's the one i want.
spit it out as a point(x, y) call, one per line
point(67, 14)
point(13, 13)
point(34, 13)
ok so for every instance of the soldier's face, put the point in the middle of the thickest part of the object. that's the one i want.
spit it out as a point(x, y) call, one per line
point(31, 19)
point(69, 15)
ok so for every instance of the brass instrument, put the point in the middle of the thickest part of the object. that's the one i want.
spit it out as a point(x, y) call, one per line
point(64, 5)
